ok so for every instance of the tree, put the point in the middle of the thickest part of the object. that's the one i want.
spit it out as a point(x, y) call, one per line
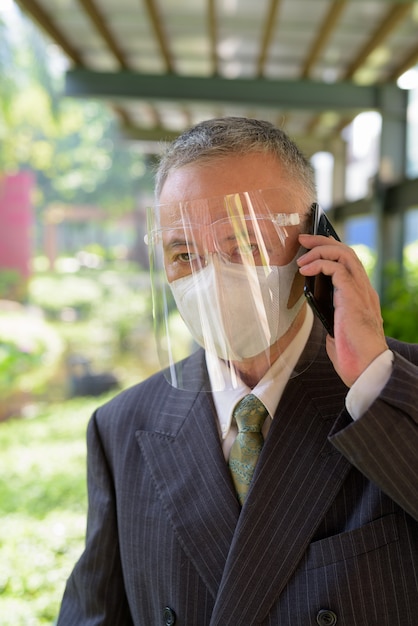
point(72, 146)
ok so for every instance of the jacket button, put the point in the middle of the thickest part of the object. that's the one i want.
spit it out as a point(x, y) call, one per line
point(169, 616)
point(325, 617)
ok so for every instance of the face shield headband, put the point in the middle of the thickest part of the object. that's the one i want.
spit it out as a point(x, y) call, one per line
point(224, 277)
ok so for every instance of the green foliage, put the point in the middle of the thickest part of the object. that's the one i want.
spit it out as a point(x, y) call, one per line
point(400, 298)
point(14, 361)
point(10, 281)
point(29, 349)
point(400, 302)
point(42, 508)
point(367, 256)
point(55, 292)
point(113, 303)
point(72, 146)
point(125, 308)
point(101, 315)
point(7, 84)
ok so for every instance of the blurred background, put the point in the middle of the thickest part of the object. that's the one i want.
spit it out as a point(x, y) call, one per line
point(90, 90)
point(75, 313)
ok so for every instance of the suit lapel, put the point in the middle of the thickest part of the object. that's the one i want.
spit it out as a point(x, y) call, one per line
point(185, 458)
point(247, 559)
point(298, 476)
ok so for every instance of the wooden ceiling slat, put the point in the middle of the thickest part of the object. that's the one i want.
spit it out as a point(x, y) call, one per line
point(396, 14)
point(160, 35)
point(213, 36)
point(47, 13)
point(122, 114)
point(48, 25)
point(324, 33)
point(409, 61)
point(267, 35)
point(100, 24)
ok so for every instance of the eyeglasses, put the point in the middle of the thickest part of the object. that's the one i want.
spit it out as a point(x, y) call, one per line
point(252, 240)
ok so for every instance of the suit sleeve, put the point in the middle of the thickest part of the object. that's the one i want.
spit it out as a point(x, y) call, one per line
point(95, 592)
point(383, 443)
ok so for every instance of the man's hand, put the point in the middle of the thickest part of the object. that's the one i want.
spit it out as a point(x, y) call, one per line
point(358, 326)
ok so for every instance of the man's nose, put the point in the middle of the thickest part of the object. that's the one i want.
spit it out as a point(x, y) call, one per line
point(209, 243)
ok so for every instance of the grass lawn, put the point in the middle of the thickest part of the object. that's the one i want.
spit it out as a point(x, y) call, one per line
point(42, 508)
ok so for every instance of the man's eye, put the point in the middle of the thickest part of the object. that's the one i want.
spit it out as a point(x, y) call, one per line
point(192, 259)
point(243, 251)
point(186, 257)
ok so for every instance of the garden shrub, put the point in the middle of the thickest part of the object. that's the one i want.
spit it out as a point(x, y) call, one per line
point(56, 292)
point(29, 351)
point(400, 303)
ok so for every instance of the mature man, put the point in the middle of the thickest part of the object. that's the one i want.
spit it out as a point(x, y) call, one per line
point(301, 509)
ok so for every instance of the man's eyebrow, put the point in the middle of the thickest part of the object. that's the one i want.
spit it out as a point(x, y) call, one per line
point(174, 241)
point(235, 234)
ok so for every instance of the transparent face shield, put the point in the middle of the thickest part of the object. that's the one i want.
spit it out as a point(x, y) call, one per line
point(224, 277)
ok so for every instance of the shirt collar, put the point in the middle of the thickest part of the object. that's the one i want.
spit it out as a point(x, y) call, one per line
point(269, 389)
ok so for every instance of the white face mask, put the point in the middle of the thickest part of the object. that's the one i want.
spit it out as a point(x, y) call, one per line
point(237, 311)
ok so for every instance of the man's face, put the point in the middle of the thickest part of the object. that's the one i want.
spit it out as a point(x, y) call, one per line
point(205, 214)
point(225, 236)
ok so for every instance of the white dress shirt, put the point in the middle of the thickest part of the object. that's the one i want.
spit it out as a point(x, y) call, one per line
point(270, 388)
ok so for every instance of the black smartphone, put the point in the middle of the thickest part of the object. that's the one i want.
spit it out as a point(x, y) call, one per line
point(319, 290)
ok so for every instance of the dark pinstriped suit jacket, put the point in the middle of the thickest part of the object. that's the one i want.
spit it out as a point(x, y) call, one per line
point(330, 523)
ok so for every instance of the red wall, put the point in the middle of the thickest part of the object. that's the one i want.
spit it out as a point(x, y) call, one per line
point(16, 222)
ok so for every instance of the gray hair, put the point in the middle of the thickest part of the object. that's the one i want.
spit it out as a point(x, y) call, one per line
point(223, 136)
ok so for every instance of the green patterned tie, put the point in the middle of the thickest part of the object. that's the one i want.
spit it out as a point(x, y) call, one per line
point(250, 414)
